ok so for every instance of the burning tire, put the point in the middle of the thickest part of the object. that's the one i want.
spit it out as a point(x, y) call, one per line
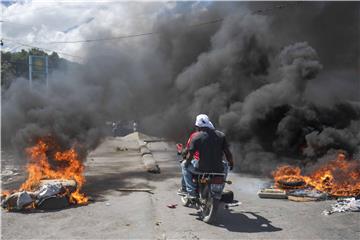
point(291, 183)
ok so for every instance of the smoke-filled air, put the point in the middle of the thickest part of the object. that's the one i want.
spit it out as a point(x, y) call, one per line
point(282, 84)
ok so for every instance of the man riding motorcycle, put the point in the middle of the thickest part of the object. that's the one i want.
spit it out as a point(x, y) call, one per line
point(211, 145)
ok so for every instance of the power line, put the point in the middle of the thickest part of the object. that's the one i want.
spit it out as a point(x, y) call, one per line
point(127, 36)
point(140, 34)
point(101, 39)
point(45, 49)
point(277, 7)
point(155, 32)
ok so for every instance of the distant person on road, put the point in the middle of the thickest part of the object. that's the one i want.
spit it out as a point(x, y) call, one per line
point(114, 127)
point(134, 126)
point(211, 145)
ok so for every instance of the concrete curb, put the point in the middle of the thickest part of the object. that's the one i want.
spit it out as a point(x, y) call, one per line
point(147, 157)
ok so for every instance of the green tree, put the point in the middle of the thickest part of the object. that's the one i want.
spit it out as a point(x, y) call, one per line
point(16, 64)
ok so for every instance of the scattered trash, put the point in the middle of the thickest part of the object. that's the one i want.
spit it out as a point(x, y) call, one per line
point(230, 205)
point(344, 205)
point(308, 192)
point(272, 193)
point(148, 190)
point(306, 195)
point(302, 199)
point(172, 205)
point(107, 204)
point(120, 149)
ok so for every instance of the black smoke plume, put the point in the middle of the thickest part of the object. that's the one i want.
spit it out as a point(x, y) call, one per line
point(283, 84)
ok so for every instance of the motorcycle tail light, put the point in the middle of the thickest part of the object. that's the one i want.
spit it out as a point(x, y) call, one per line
point(217, 180)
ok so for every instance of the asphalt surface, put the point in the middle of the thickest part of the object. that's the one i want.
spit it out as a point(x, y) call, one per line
point(114, 214)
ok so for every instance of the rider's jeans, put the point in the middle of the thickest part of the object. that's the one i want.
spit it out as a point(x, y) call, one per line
point(188, 175)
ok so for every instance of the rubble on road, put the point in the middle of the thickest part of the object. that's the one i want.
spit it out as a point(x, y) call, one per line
point(297, 195)
point(344, 205)
point(272, 193)
point(146, 155)
point(308, 192)
point(148, 190)
point(231, 205)
point(172, 205)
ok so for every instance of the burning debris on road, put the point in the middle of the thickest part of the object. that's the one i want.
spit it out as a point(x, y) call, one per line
point(337, 178)
point(54, 176)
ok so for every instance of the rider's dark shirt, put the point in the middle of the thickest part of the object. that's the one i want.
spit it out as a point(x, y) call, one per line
point(210, 144)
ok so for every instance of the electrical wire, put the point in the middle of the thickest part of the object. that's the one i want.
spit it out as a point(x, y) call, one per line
point(45, 49)
point(152, 33)
point(139, 34)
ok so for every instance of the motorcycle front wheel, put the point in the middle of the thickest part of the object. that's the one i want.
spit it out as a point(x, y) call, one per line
point(209, 210)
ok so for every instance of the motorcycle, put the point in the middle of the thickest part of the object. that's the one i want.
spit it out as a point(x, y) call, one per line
point(210, 189)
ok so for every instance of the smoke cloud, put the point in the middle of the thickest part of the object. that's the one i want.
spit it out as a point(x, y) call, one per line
point(280, 85)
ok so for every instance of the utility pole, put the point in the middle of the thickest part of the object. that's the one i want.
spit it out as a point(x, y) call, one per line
point(38, 69)
point(46, 72)
point(30, 71)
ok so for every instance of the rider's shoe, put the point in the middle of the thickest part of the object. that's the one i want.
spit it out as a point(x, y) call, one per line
point(181, 192)
point(192, 196)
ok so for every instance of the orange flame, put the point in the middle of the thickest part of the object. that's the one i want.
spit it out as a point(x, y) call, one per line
point(66, 166)
point(338, 177)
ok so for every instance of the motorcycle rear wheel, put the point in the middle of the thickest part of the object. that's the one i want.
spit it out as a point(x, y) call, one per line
point(208, 212)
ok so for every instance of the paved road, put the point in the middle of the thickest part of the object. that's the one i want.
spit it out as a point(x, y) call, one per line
point(119, 215)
